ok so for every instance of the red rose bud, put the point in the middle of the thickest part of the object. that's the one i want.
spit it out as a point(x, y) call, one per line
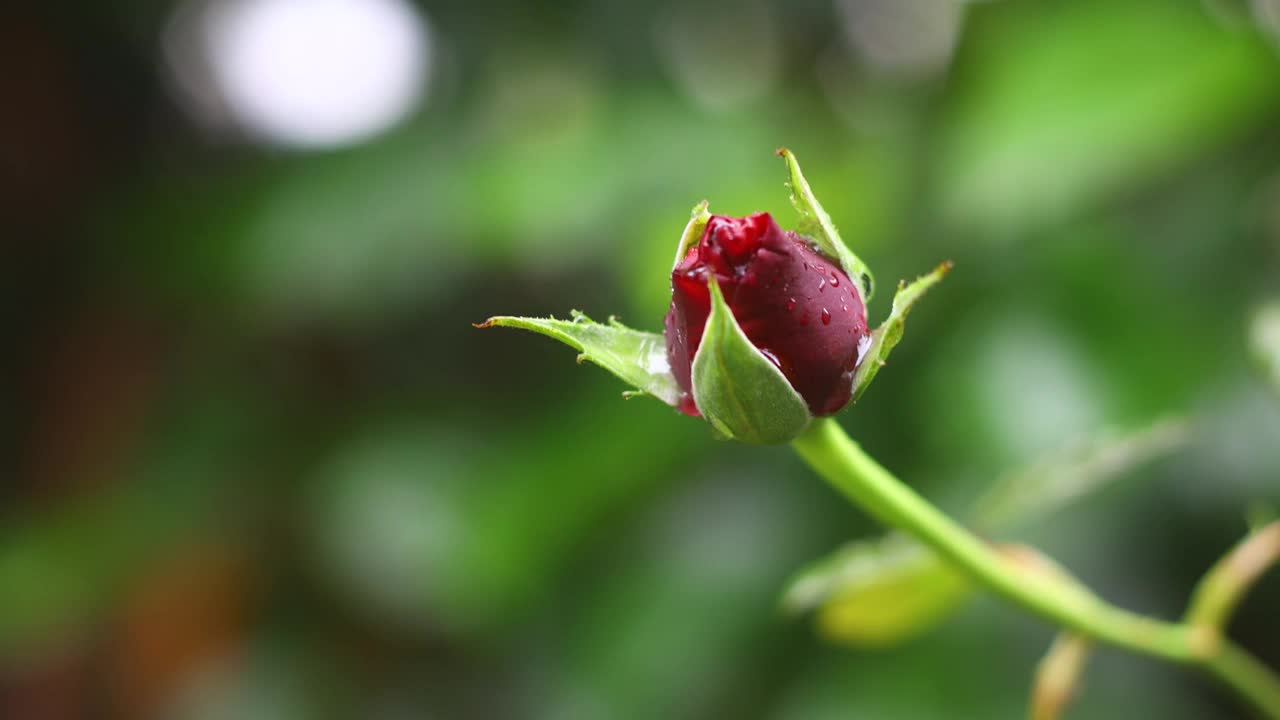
point(794, 304)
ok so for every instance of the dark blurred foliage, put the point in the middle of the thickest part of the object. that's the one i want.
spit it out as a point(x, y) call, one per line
point(258, 463)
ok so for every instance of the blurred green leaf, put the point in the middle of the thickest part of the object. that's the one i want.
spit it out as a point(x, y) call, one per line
point(1059, 109)
point(62, 569)
point(1259, 514)
point(887, 336)
point(737, 389)
point(816, 224)
point(58, 573)
point(1264, 341)
point(344, 237)
point(391, 504)
point(463, 528)
point(877, 592)
point(637, 358)
point(693, 577)
point(534, 505)
point(1054, 482)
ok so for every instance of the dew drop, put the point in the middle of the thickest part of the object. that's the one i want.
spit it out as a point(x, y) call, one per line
point(844, 308)
point(826, 316)
point(822, 285)
point(864, 344)
point(791, 304)
point(835, 280)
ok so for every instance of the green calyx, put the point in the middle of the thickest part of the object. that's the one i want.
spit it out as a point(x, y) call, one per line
point(887, 336)
point(693, 231)
point(816, 224)
point(737, 389)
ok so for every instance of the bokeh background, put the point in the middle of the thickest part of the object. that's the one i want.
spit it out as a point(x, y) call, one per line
point(258, 464)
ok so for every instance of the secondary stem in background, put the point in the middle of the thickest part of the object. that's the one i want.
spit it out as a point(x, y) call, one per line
point(842, 463)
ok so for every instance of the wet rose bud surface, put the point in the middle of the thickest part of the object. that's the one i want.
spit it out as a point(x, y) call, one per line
point(794, 304)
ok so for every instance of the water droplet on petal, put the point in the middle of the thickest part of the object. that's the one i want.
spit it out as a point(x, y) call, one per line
point(864, 343)
point(822, 285)
point(826, 316)
point(835, 279)
point(791, 304)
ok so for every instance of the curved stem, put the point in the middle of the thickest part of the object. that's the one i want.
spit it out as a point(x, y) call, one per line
point(1248, 678)
point(1226, 583)
point(843, 463)
point(836, 457)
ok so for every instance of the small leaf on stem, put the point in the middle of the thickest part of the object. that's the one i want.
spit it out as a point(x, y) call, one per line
point(877, 592)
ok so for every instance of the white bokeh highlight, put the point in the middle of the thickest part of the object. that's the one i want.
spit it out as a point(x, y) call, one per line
point(305, 73)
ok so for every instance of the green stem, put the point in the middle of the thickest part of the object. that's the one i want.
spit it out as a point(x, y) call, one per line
point(1248, 678)
point(843, 463)
point(1225, 585)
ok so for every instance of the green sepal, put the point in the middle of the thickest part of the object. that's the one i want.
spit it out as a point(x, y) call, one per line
point(885, 337)
point(638, 358)
point(816, 224)
point(874, 593)
point(693, 231)
point(738, 390)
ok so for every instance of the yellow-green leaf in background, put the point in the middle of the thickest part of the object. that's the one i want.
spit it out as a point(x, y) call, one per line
point(878, 592)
